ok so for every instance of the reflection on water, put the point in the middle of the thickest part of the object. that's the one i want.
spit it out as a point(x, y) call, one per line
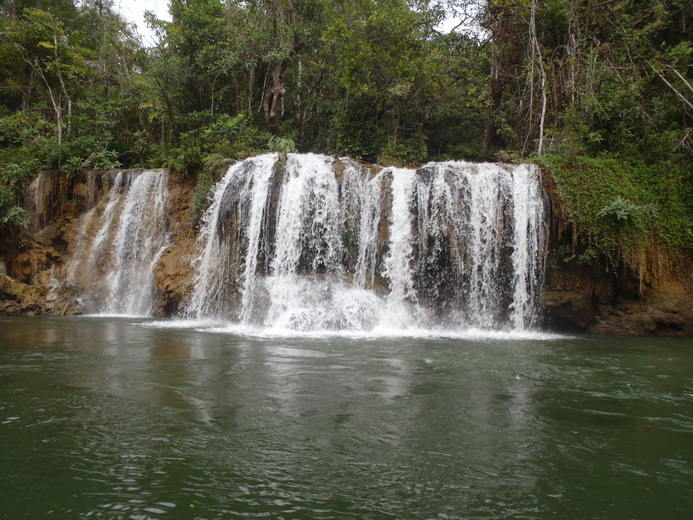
point(129, 418)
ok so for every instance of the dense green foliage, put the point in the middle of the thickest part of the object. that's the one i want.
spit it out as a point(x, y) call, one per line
point(625, 206)
point(600, 91)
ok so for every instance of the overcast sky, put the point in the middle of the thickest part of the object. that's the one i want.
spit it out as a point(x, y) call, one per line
point(133, 11)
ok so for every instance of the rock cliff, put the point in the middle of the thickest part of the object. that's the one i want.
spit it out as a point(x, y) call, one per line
point(592, 297)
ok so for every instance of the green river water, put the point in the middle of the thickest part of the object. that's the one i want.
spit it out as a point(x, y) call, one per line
point(133, 418)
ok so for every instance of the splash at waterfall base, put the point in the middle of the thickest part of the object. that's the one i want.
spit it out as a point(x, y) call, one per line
point(311, 242)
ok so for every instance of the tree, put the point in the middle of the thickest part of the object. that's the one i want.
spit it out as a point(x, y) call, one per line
point(503, 21)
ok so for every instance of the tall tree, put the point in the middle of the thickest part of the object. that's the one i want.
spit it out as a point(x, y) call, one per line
point(504, 22)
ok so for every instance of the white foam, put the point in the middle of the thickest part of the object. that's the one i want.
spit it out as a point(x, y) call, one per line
point(253, 331)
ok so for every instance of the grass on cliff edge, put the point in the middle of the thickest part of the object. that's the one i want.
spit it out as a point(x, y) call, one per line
point(625, 207)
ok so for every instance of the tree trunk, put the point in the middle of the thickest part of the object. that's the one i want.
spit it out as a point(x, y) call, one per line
point(28, 90)
point(273, 96)
point(507, 53)
point(537, 55)
point(275, 92)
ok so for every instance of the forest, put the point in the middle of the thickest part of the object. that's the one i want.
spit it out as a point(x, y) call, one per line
point(598, 92)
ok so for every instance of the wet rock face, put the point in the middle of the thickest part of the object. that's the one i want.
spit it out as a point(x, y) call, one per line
point(173, 276)
point(664, 310)
point(569, 302)
point(594, 301)
point(34, 263)
point(27, 282)
point(577, 298)
point(174, 272)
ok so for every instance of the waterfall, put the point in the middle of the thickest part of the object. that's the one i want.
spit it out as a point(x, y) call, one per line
point(228, 263)
point(528, 246)
point(118, 243)
point(309, 242)
point(106, 219)
point(398, 263)
point(139, 242)
point(40, 200)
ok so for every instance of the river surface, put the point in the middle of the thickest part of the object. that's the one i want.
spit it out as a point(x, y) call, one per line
point(134, 418)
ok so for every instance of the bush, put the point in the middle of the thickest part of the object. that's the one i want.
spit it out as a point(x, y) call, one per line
point(232, 137)
point(202, 195)
point(10, 212)
point(402, 152)
point(623, 211)
point(625, 205)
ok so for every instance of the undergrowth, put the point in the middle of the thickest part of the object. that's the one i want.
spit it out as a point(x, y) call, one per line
point(626, 208)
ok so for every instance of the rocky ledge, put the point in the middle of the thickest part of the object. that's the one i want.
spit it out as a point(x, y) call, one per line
point(20, 299)
point(598, 302)
point(578, 298)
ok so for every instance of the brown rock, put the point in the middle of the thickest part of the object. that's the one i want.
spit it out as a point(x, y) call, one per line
point(173, 272)
point(596, 301)
point(174, 275)
point(19, 299)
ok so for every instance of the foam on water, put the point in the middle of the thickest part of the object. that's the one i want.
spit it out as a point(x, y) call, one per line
point(258, 331)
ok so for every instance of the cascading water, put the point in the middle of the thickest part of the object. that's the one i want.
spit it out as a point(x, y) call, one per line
point(313, 243)
point(529, 244)
point(119, 242)
point(398, 263)
point(39, 201)
point(230, 252)
point(106, 220)
point(140, 241)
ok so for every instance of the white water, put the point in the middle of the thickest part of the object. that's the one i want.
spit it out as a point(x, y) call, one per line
point(78, 264)
point(529, 244)
point(371, 195)
point(141, 239)
point(118, 244)
point(294, 246)
point(223, 271)
point(397, 265)
point(306, 233)
point(39, 201)
point(106, 219)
